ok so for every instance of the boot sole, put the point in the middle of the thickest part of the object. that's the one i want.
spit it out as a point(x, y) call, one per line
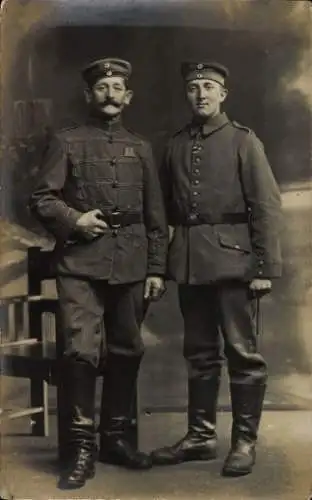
point(235, 472)
point(120, 463)
point(65, 485)
point(198, 458)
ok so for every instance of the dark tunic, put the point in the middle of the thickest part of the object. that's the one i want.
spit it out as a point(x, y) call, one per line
point(97, 166)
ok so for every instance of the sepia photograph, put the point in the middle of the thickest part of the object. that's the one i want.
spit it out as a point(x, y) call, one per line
point(156, 249)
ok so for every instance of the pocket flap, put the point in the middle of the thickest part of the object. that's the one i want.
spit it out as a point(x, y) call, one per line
point(234, 242)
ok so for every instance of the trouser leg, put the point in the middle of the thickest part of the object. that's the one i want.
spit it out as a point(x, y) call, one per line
point(202, 354)
point(247, 372)
point(123, 322)
point(81, 317)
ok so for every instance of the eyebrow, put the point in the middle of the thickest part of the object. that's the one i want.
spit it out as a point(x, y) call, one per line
point(206, 84)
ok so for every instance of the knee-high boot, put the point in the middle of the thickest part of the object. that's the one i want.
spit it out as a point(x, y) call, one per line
point(247, 402)
point(79, 390)
point(116, 445)
point(200, 442)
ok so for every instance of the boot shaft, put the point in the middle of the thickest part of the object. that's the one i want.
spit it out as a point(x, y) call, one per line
point(78, 381)
point(119, 399)
point(247, 403)
point(202, 407)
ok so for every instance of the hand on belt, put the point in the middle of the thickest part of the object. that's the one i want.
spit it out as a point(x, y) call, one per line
point(118, 219)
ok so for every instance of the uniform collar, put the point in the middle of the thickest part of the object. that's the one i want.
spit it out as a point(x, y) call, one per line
point(109, 126)
point(209, 126)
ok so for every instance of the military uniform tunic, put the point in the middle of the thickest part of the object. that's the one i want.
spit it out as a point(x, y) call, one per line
point(97, 166)
point(220, 172)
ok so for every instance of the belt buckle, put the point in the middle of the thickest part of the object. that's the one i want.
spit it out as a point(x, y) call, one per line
point(193, 217)
point(113, 220)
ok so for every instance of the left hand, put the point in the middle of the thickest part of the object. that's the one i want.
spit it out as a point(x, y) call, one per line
point(154, 288)
point(260, 285)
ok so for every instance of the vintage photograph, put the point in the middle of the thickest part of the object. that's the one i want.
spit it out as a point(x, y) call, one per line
point(155, 242)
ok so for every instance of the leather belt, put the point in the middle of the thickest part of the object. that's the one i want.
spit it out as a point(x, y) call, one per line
point(194, 219)
point(117, 219)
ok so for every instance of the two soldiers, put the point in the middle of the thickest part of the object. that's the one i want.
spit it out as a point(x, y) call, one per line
point(100, 195)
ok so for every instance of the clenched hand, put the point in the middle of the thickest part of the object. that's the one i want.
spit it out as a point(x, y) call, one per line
point(260, 285)
point(154, 288)
point(90, 224)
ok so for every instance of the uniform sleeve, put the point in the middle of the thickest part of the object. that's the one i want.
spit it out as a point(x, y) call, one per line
point(166, 182)
point(154, 216)
point(46, 201)
point(264, 203)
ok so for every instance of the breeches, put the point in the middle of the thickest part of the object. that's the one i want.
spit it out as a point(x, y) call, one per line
point(97, 317)
point(212, 312)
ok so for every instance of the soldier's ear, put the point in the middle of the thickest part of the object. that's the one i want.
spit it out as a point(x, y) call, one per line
point(128, 96)
point(223, 93)
point(88, 95)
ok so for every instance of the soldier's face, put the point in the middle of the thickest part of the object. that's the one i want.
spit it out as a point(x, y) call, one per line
point(205, 97)
point(109, 95)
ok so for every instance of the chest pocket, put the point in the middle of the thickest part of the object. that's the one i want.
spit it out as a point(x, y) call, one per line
point(92, 178)
point(92, 170)
point(129, 168)
point(130, 183)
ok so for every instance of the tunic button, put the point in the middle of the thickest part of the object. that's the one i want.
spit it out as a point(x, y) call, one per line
point(196, 147)
point(196, 181)
point(260, 272)
point(261, 262)
point(192, 217)
point(196, 171)
point(195, 193)
point(194, 205)
point(113, 161)
point(197, 160)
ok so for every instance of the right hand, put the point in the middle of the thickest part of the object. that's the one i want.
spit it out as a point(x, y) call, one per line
point(91, 225)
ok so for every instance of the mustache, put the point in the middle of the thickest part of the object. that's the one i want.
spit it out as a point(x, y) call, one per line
point(111, 102)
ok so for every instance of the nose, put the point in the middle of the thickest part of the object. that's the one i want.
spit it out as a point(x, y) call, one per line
point(109, 92)
point(201, 93)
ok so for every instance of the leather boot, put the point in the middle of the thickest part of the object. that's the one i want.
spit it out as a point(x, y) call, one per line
point(80, 380)
point(247, 402)
point(200, 442)
point(117, 443)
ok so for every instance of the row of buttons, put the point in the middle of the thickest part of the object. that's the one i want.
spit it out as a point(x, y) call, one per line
point(260, 263)
point(196, 148)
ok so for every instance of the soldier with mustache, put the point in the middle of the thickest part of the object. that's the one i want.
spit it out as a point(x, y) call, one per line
point(99, 195)
point(223, 206)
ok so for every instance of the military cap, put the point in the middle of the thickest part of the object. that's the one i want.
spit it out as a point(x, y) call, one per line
point(106, 67)
point(207, 70)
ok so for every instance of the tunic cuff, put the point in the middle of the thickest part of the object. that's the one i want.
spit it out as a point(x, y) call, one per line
point(265, 270)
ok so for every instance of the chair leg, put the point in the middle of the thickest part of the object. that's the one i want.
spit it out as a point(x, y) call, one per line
point(39, 398)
